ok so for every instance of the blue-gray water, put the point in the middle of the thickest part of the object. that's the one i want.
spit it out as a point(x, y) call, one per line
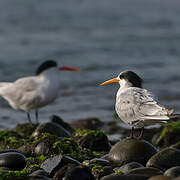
point(102, 37)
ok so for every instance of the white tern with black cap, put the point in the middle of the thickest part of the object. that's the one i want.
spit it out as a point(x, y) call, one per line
point(34, 92)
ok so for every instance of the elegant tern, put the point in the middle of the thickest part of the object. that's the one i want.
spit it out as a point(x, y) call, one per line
point(34, 92)
point(137, 106)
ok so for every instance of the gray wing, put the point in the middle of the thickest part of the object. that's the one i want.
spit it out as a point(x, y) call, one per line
point(22, 93)
point(136, 104)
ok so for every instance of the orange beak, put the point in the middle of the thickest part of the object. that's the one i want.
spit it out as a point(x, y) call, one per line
point(66, 68)
point(114, 80)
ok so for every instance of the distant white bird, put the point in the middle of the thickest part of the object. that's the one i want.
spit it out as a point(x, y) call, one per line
point(34, 92)
point(136, 106)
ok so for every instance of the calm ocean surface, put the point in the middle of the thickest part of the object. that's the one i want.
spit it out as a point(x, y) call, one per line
point(103, 38)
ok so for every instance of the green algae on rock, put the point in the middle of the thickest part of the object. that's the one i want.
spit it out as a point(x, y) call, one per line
point(11, 140)
point(169, 135)
point(92, 139)
point(11, 175)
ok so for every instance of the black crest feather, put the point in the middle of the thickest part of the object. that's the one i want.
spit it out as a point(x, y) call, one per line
point(132, 78)
point(45, 65)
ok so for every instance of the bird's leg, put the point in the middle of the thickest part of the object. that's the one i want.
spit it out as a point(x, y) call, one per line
point(29, 117)
point(131, 135)
point(36, 115)
point(141, 133)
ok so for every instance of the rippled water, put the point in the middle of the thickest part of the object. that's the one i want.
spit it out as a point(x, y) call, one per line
point(103, 38)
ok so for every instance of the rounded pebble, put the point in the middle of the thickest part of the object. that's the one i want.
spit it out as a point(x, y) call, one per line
point(173, 172)
point(128, 150)
point(12, 160)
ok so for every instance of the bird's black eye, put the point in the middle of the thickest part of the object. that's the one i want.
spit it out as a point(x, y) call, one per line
point(121, 76)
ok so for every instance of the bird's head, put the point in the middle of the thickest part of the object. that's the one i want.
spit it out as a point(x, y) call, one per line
point(126, 78)
point(52, 64)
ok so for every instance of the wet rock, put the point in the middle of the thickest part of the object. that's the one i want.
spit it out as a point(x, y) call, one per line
point(165, 159)
point(58, 120)
point(37, 178)
point(25, 130)
point(39, 172)
point(52, 128)
point(10, 139)
point(127, 167)
point(41, 148)
point(128, 150)
point(160, 177)
point(88, 123)
point(98, 161)
point(100, 171)
point(92, 139)
point(125, 177)
point(146, 171)
point(60, 173)
point(169, 135)
point(173, 172)
point(12, 150)
point(178, 178)
point(51, 165)
point(79, 173)
point(12, 160)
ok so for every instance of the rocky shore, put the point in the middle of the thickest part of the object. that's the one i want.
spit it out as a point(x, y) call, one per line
point(88, 149)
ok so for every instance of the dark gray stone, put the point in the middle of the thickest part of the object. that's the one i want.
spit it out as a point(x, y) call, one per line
point(88, 123)
point(39, 172)
point(149, 171)
point(160, 177)
point(12, 160)
point(56, 119)
point(79, 173)
point(52, 128)
point(125, 177)
point(37, 178)
point(173, 172)
point(51, 165)
point(127, 167)
point(129, 150)
point(165, 159)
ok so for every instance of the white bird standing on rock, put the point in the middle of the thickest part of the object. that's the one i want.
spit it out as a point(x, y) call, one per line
point(136, 106)
point(34, 92)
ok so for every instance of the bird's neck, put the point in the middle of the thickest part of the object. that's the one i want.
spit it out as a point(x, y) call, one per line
point(125, 84)
point(51, 76)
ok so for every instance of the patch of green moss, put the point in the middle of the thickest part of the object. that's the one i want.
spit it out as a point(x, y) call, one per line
point(45, 135)
point(95, 153)
point(42, 157)
point(173, 127)
point(34, 165)
point(98, 169)
point(85, 132)
point(10, 139)
point(11, 175)
point(35, 161)
point(66, 146)
point(119, 172)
